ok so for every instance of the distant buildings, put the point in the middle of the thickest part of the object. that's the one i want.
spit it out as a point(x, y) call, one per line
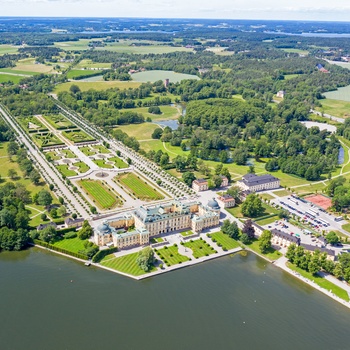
point(281, 94)
point(321, 68)
point(226, 201)
point(136, 228)
point(200, 185)
point(255, 183)
point(69, 222)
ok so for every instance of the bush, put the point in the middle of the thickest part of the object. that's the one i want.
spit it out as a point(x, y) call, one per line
point(70, 234)
point(102, 253)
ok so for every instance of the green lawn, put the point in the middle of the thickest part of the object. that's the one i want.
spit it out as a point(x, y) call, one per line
point(87, 150)
point(68, 153)
point(126, 264)
point(346, 227)
point(101, 149)
point(83, 168)
point(58, 121)
point(103, 197)
point(225, 241)
point(322, 282)
point(236, 211)
point(171, 256)
point(139, 187)
point(156, 240)
point(77, 73)
point(200, 248)
point(282, 193)
point(266, 196)
point(186, 233)
point(102, 163)
point(53, 155)
point(77, 136)
point(5, 78)
point(98, 85)
point(141, 131)
point(337, 108)
point(63, 169)
point(118, 162)
point(72, 244)
point(272, 254)
point(267, 221)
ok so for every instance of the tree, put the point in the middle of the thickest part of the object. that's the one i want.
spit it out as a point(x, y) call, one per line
point(145, 259)
point(62, 211)
point(34, 177)
point(244, 238)
point(332, 238)
point(314, 265)
point(74, 89)
point(188, 177)
point(48, 234)
point(43, 217)
point(22, 219)
point(12, 174)
point(44, 198)
point(252, 206)
point(86, 231)
point(157, 133)
point(218, 169)
point(225, 226)
point(12, 148)
point(248, 229)
point(74, 216)
point(154, 110)
point(233, 230)
point(217, 181)
point(53, 213)
point(265, 241)
point(291, 251)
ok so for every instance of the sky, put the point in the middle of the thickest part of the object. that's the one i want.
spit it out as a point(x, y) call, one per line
point(338, 10)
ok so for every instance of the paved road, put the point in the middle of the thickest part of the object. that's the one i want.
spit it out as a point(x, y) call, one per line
point(46, 169)
point(328, 116)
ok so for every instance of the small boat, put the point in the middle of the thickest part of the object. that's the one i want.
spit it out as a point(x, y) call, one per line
point(88, 263)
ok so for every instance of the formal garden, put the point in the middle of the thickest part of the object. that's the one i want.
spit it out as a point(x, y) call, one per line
point(171, 256)
point(199, 248)
point(77, 136)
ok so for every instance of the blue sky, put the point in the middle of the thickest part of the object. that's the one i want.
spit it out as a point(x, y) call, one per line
point(338, 10)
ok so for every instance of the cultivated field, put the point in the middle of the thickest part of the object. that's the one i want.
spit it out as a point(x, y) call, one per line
point(337, 108)
point(99, 85)
point(139, 187)
point(77, 73)
point(88, 64)
point(101, 195)
point(342, 94)
point(7, 49)
point(5, 78)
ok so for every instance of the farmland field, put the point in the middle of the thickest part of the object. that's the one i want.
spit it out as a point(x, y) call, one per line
point(139, 187)
point(342, 94)
point(4, 49)
point(126, 264)
point(299, 51)
point(337, 108)
point(154, 75)
point(104, 198)
point(78, 45)
point(5, 78)
point(77, 73)
point(86, 63)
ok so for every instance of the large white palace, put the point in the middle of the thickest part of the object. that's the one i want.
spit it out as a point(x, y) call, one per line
point(255, 183)
point(137, 227)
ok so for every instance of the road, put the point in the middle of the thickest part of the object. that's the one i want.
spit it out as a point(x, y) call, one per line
point(46, 169)
point(328, 116)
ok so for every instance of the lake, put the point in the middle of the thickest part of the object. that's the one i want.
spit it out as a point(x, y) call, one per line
point(51, 302)
point(154, 75)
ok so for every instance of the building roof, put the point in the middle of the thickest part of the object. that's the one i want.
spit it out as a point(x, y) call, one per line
point(213, 204)
point(70, 221)
point(313, 248)
point(253, 180)
point(226, 198)
point(104, 228)
point(286, 236)
point(42, 226)
point(200, 181)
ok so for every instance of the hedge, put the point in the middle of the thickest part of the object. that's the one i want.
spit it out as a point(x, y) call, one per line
point(65, 230)
point(102, 253)
point(60, 250)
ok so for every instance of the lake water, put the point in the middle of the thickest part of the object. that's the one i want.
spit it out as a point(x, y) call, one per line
point(154, 75)
point(173, 124)
point(51, 302)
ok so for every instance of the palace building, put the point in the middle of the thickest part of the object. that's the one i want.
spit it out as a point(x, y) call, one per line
point(254, 183)
point(136, 228)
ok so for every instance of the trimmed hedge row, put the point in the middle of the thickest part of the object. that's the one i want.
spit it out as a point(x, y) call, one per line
point(265, 217)
point(102, 253)
point(60, 250)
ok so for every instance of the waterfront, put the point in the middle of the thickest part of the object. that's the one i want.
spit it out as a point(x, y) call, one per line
point(50, 302)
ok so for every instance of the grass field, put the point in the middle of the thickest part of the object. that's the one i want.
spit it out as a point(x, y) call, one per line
point(141, 131)
point(281, 193)
point(168, 112)
point(346, 227)
point(63, 169)
point(266, 196)
point(78, 45)
point(102, 163)
point(4, 49)
point(98, 85)
point(126, 264)
point(101, 149)
point(53, 155)
point(225, 241)
point(299, 51)
point(342, 94)
point(267, 221)
point(186, 233)
point(272, 254)
point(5, 78)
point(87, 150)
point(68, 153)
point(337, 108)
point(83, 168)
point(72, 244)
point(171, 256)
point(200, 248)
point(322, 282)
point(139, 187)
point(290, 76)
point(21, 73)
point(102, 196)
point(89, 64)
point(118, 162)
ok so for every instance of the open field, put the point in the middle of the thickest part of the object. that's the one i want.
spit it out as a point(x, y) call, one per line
point(342, 94)
point(88, 64)
point(154, 75)
point(224, 241)
point(236, 211)
point(168, 112)
point(17, 72)
point(126, 264)
point(73, 245)
point(290, 76)
point(171, 256)
point(272, 254)
point(322, 282)
point(266, 196)
point(77, 136)
point(78, 45)
point(4, 49)
point(299, 51)
point(139, 187)
point(199, 248)
point(58, 121)
point(141, 131)
point(5, 78)
point(29, 65)
point(98, 85)
point(338, 108)
point(103, 196)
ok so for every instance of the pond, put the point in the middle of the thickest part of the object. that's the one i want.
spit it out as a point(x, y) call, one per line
point(173, 124)
point(154, 75)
